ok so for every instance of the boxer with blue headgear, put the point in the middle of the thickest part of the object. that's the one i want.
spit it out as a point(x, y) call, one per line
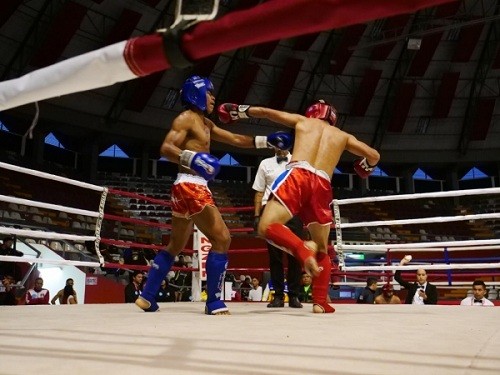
point(194, 92)
point(188, 144)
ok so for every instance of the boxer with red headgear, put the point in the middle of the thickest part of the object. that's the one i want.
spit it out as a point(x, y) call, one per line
point(387, 295)
point(323, 111)
point(304, 189)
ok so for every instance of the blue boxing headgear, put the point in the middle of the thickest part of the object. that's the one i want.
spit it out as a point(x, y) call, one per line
point(194, 92)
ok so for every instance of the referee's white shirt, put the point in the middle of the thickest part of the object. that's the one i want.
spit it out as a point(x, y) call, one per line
point(268, 170)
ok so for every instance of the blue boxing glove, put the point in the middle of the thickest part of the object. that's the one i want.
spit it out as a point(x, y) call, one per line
point(281, 140)
point(205, 165)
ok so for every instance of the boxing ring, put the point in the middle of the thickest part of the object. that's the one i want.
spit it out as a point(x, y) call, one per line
point(180, 339)
point(356, 339)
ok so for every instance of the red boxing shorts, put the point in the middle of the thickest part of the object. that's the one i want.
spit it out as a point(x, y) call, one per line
point(190, 195)
point(305, 192)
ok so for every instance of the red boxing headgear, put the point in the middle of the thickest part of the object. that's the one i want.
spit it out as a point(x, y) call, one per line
point(323, 111)
point(387, 289)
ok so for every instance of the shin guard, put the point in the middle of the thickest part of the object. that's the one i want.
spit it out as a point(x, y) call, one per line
point(281, 236)
point(158, 271)
point(216, 270)
point(321, 284)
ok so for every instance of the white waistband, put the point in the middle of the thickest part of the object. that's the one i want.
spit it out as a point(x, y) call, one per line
point(186, 177)
point(305, 165)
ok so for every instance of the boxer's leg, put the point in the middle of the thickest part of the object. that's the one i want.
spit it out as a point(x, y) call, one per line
point(321, 284)
point(159, 268)
point(216, 271)
point(181, 230)
point(281, 236)
point(210, 222)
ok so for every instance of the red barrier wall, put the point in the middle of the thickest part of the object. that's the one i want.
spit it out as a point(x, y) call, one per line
point(105, 290)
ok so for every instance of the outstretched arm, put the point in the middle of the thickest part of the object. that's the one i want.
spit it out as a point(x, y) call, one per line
point(280, 117)
point(230, 112)
point(238, 140)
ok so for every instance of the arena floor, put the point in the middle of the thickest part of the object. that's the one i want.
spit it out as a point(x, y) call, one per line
point(180, 339)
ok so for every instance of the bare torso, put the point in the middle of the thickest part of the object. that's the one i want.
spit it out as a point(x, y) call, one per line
point(318, 143)
point(198, 136)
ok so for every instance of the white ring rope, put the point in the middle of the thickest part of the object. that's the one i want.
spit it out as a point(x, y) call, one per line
point(98, 225)
point(55, 207)
point(428, 220)
point(394, 246)
point(427, 267)
point(99, 215)
point(51, 177)
point(440, 194)
point(340, 247)
point(425, 246)
point(45, 235)
point(58, 262)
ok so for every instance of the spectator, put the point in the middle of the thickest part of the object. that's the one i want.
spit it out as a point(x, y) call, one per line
point(166, 293)
point(69, 296)
point(305, 294)
point(134, 289)
point(245, 288)
point(7, 296)
point(255, 293)
point(7, 247)
point(134, 256)
point(10, 268)
point(38, 295)
point(269, 169)
point(387, 295)
point(479, 299)
point(368, 293)
point(65, 298)
point(420, 292)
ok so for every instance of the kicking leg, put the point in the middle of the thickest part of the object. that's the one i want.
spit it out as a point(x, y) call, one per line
point(271, 227)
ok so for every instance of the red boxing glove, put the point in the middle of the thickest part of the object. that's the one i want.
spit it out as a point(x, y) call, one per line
point(362, 168)
point(229, 112)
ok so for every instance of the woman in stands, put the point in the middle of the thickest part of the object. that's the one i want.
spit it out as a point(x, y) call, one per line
point(66, 296)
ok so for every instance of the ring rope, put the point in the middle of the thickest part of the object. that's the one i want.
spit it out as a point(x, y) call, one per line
point(429, 220)
point(59, 262)
point(338, 233)
point(424, 244)
point(98, 225)
point(55, 207)
point(51, 176)
point(427, 267)
point(43, 234)
point(140, 196)
point(137, 221)
point(441, 194)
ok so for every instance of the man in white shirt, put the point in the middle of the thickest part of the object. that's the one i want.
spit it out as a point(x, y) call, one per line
point(269, 170)
point(255, 293)
point(479, 299)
